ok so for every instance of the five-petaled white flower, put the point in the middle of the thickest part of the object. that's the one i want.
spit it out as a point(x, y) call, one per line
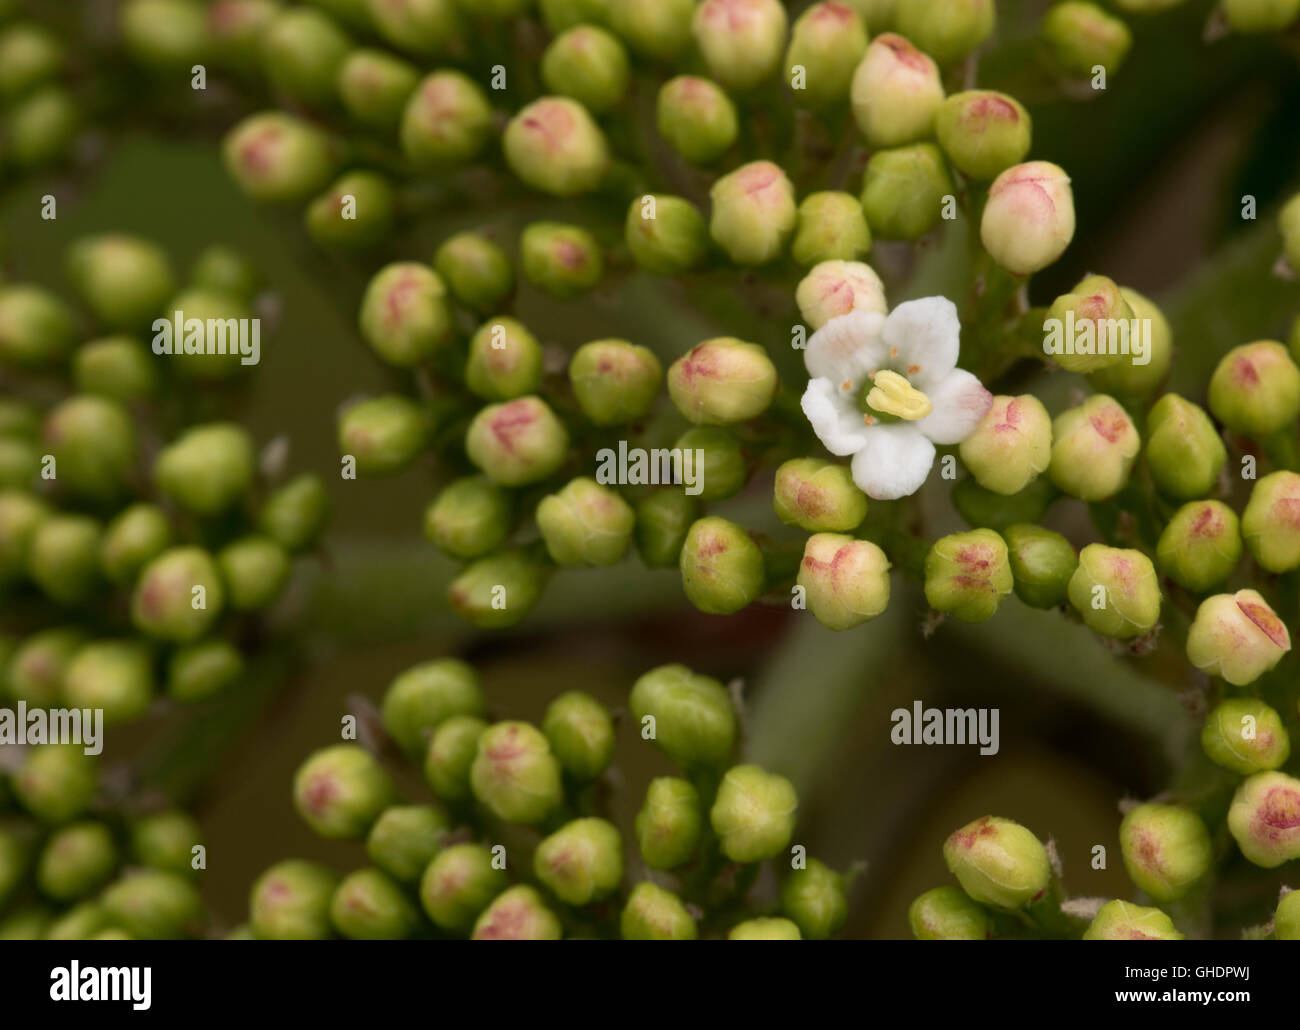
point(886, 389)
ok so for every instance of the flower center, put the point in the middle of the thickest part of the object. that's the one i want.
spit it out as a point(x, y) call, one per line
point(889, 396)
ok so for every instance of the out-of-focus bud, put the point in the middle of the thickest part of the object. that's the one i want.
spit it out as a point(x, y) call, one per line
point(718, 468)
point(669, 823)
point(659, 29)
point(119, 368)
point(517, 914)
point(1116, 591)
point(375, 86)
point(1123, 921)
point(451, 756)
point(29, 55)
point(947, 914)
point(1028, 220)
point(1256, 388)
point(341, 790)
point(291, 902)
point(152, 905)
point(20, 515)
point(1200, 545)
point(179, 595)
point(896, 93)
point(222, 270)
point(425, 27)
point(581, 862)
point(968, 574)
point(1286, 920)
point(554, 146)
point(1011, 446)
point(741, 41)
point(1249, 16)
point(36, 327)
point(563, 260)
point(831, 227)
point(689, 716)
point(588, 64)
point(56, 782)
point(1245, 735)
point(235, 32)
point(816, 898)
point(294, 514)
point(42, 127)
point(696, 118)
point(564, 14)
point(846, 580)
point(75, 861)
point(115, 676)
point(1093, 449)
point(302, 51)
point(998, 862)
point(654, 914)
point(818, 496)
point(1166, 849)
point(196, 671)
point(224, 359)
point(722, 567)
point(164, 840)
point(1081, 36)
point(827, 42)
point(208, 469)
point(1042, 563)
point(721, 381)
point(505, 360)
point(36, 667)
point(614, 381)
point(666, 234)
point(92, 440)
point(470, 518)
point(1090, 327)
point(1269, 522)
point(1153, 348)
point(384, 434)
point(767, 929)
point(459, 883)
point(498, 590)
point(515, 774)
point(404, 313)
point(947, 30)
point(903, 191)
point(1264, 818)
point(1184, 452)
point(165, 35)
point(1237, 636)
point(124, 280)
point(753, 814)
point(276, 157)
point(581, 733)
point(64, 557)
point(447, 121)
point(256, 571)
point(355, 213)
point(1288, 223)
point(663, 519)
point(419, 699)
point(476, 270)
point(368, 906)
point(518, 442)
point(983, 132)
point(835, 288)
point(585, 524)
point(754, 212)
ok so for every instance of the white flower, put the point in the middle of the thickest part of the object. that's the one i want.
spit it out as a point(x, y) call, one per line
point(935, 402)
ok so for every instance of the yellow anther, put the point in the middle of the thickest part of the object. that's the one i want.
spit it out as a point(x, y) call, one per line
point(894, 395)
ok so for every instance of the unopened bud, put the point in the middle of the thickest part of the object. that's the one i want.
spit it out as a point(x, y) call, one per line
point(276, 157)
point(1011, 446)
point(1245, 735)
point(199, 670)
point(835, 288)
point(614, 381)
point(1184, 451)
point(518, 442)
point(1093, 449)
point(1270, 523)
point(384, 434)
point(667, 235)
point(1251, 16)
point(581, 862)
point(458, 884)
point(1090, 326)
point(124, 280)
point(669, 823)
point(819, 496)
point(903, 191)
point(207, 470)
point(563, 260)
point(654, 914)
point(896, 93)
point(947, 914)
point(1128, 378)
point(515, 773)
point(998, 862)
point(115, 676)
point(119, 368)
point(498, 590)
point(741, 41)
point(341, 790)
point(1116, 591)
point(1124, 921)
point(420, 698)
point(476, 270)
point(302, 51)
point(696, 118)
point(1256, 388)
point(947, 30)
point(291, 902)
point(554, 146)
point(369, 906)
point(846, 580)
point(256, 570)
point(983, 132)
point(355, 213)
point(663, 519)
point(471, 517)
point(1080, 36)
point(692, 717)
point(451, 756)
point(753, 814)
point(1166, 849)
point(831, 227)
point(1264, 818)
point(722, 567)
point(446, 121)
point(1237, 636)
point(816, 898)
point(968, 574)
point(1028, 220)
point(404, 313)
point(827, 42)
point(1042, 563)
point(1200, 546)
point(179, 595)
point(374, 87)
point(505, 360)
point(588, 64)
point(721, 381)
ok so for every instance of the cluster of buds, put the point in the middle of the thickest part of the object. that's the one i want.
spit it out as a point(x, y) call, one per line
point(40, 115)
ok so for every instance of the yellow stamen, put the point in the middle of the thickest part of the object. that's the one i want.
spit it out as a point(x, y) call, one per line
point(894, 395)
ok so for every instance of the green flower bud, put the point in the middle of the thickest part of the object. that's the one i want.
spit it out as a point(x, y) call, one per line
point(654, 914)
point(1259, 15)
point(291, 902)
point(1122, 921)
point(846, 580)
point(235, 32)
point(722, 567)
point(753, 814)
point(1184, 452)
point(29, 55)
point(404, 314)
point(124, 280)
point(1166, 849)
point(1288, 223)
point(1028, 220)
point(421, 698)
point(15, 859)
point(998, 862)
point(18, 419)
point(1200, 546)
point(1264, 818)
point(82, 922)
point(663, 519)
point(827, 42)
point(896, 93)
point(835, 288)
point(588, 64)
point(581, 734)
point(903, 191)
point(983, 508)
point(42, 127)
point(696, 118)
point(212, 308)
point(497, 591)
point(255, 570)
point(93, 443)
point(426, 27)
point(1080, 36)
point(355, 213)
point(518, 442)
point(968, 574)
point(721, 381)
point(1237, 636)
point(20, 463)
point(64, 557)
point(517, 914)
point(340, 791)
point(113, 675)
point(815, 898)
point(75, 861)
point(818, 495)
point(25, 924)
point(720, 466)
point(741, 41)
point(37, 666)
point(1042, 563)
point(451, 756)
point(670, 822)
point(563, 260)
point(581, 862)
point(200, 670)
point(564, 14)
point(166, 35)
point(151, 904)
point(1286, 920)
point(274, 157)
point(947, 914)
point(56, 782)
point(459, 884)
point(754, 212)
point(831, 228)
point(689, 716)
point(515, 774)
point(983, 132)
point(1246, 736)
point(447, 121)
point(293, 515)
point(771, 929)
point(614, 381)
point(209, 469)
point(1090, 327)
point(1127, 378)
point(119, 368)
point(947, 30)
point(1268, 522)
point(20, 516)
point(476, 270)
point(368, 906)
point(165, 840)
point(553, 146)
point(1256, 388)
point(1093, 449)
point(469, 518)
point(660, 29)
point(1011, 446)
point(36, 327)
point(374, 87)
point(1116, 591)
point(179, 595)
point(384, 434)
point(666, 234)
point(222, 270)
point(302, 52)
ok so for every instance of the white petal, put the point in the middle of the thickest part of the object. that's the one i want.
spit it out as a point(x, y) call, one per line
point(846, 348)
point(835, 419)
point(893, 462)
point(960, 402)
point(927, 336)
